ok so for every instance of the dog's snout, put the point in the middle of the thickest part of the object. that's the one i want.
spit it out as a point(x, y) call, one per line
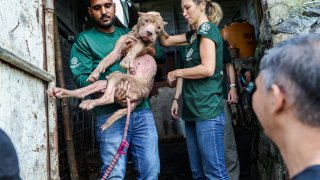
point(149, 33)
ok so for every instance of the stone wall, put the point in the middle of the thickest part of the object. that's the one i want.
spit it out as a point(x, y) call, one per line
point(285, 18)
point(282, 19)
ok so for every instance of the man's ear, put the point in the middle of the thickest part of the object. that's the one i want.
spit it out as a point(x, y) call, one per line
point(278, 99)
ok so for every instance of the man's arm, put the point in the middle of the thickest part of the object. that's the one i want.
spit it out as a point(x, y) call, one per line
point(81, 62)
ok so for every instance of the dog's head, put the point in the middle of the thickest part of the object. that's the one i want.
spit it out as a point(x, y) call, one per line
point(149, 26)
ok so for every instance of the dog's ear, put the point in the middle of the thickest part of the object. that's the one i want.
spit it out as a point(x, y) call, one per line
point(140, 14)
point(135, 29)
point(165, 23)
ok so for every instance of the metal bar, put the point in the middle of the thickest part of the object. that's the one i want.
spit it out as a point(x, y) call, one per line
point(24, 65)
point(52, 125)
point(49, 5)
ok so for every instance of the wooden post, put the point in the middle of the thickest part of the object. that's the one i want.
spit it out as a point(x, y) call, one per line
point(64, 106)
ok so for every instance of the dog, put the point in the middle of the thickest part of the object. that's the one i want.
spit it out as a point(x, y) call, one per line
point(140, 70)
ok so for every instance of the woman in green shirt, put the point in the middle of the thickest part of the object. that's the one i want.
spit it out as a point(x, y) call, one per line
point(201, 88)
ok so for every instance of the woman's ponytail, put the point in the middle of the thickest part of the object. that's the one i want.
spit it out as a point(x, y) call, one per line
point(213, 12)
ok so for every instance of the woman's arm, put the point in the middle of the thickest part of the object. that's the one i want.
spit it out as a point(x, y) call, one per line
point(174, 107)
point(175, 40)
point(203, 70)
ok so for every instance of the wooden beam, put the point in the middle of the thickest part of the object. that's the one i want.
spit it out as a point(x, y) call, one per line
point(24, 65)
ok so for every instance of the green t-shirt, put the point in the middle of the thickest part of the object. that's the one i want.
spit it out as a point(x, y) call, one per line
point(89, 49)
point(202, 98)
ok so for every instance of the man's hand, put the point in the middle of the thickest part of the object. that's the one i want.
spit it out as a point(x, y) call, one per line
point(232, 96)
point(121, 93)
point(129, 43)
point(151, 50)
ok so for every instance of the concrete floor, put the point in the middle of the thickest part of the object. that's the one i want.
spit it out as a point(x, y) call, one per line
point(173, 158)
point(174, 163)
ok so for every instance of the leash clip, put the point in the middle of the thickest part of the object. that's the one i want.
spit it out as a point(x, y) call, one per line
point(124, 144)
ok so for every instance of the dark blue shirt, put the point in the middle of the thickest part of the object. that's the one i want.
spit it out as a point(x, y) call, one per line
point(9, 168)
point(310, 173)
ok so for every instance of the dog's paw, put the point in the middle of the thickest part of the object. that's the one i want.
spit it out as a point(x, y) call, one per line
point(87, 104)
point(57, 92)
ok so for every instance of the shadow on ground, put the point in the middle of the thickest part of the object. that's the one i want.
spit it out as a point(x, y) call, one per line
point(173, 158)
point(174, 163)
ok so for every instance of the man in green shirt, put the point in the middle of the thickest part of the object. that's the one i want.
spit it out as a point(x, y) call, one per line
point(89, 49)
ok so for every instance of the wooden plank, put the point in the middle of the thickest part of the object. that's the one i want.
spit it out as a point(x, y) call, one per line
point(24, 65)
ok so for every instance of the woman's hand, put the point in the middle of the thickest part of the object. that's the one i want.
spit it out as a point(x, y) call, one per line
point(172, 76)
point(174, 109)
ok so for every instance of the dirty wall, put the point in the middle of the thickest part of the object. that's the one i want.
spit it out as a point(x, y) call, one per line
point(282, 19)
point(24, 111)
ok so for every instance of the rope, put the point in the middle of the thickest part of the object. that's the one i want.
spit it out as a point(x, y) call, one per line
point(123, 144)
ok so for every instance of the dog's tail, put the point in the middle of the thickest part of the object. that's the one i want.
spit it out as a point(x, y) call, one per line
point(117, 115)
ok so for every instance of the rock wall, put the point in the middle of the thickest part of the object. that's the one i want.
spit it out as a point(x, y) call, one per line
point(283, 19)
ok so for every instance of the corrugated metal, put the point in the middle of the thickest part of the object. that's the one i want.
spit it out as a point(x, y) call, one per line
point(23, 77)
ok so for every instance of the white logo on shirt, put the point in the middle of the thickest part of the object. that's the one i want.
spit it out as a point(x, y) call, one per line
point(74, 62)
point(205, 28)
point(189, 54)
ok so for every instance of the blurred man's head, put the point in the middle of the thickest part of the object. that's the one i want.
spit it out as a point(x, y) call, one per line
point(289, 83)
point(102, 13)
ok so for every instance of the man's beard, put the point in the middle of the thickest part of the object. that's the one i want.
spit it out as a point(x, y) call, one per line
point(104, 25)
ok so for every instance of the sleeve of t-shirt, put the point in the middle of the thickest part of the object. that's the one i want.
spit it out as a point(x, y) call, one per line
point(189, 35)
point(160, 56)
point(210, 31)
point(81, 63)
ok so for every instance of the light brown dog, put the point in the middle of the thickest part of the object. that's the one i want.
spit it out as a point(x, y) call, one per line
point(140, 74)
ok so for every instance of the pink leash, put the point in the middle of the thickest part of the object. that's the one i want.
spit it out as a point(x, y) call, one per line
point(123, 144)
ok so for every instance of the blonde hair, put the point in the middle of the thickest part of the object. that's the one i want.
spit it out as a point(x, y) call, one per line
point(213, 11)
